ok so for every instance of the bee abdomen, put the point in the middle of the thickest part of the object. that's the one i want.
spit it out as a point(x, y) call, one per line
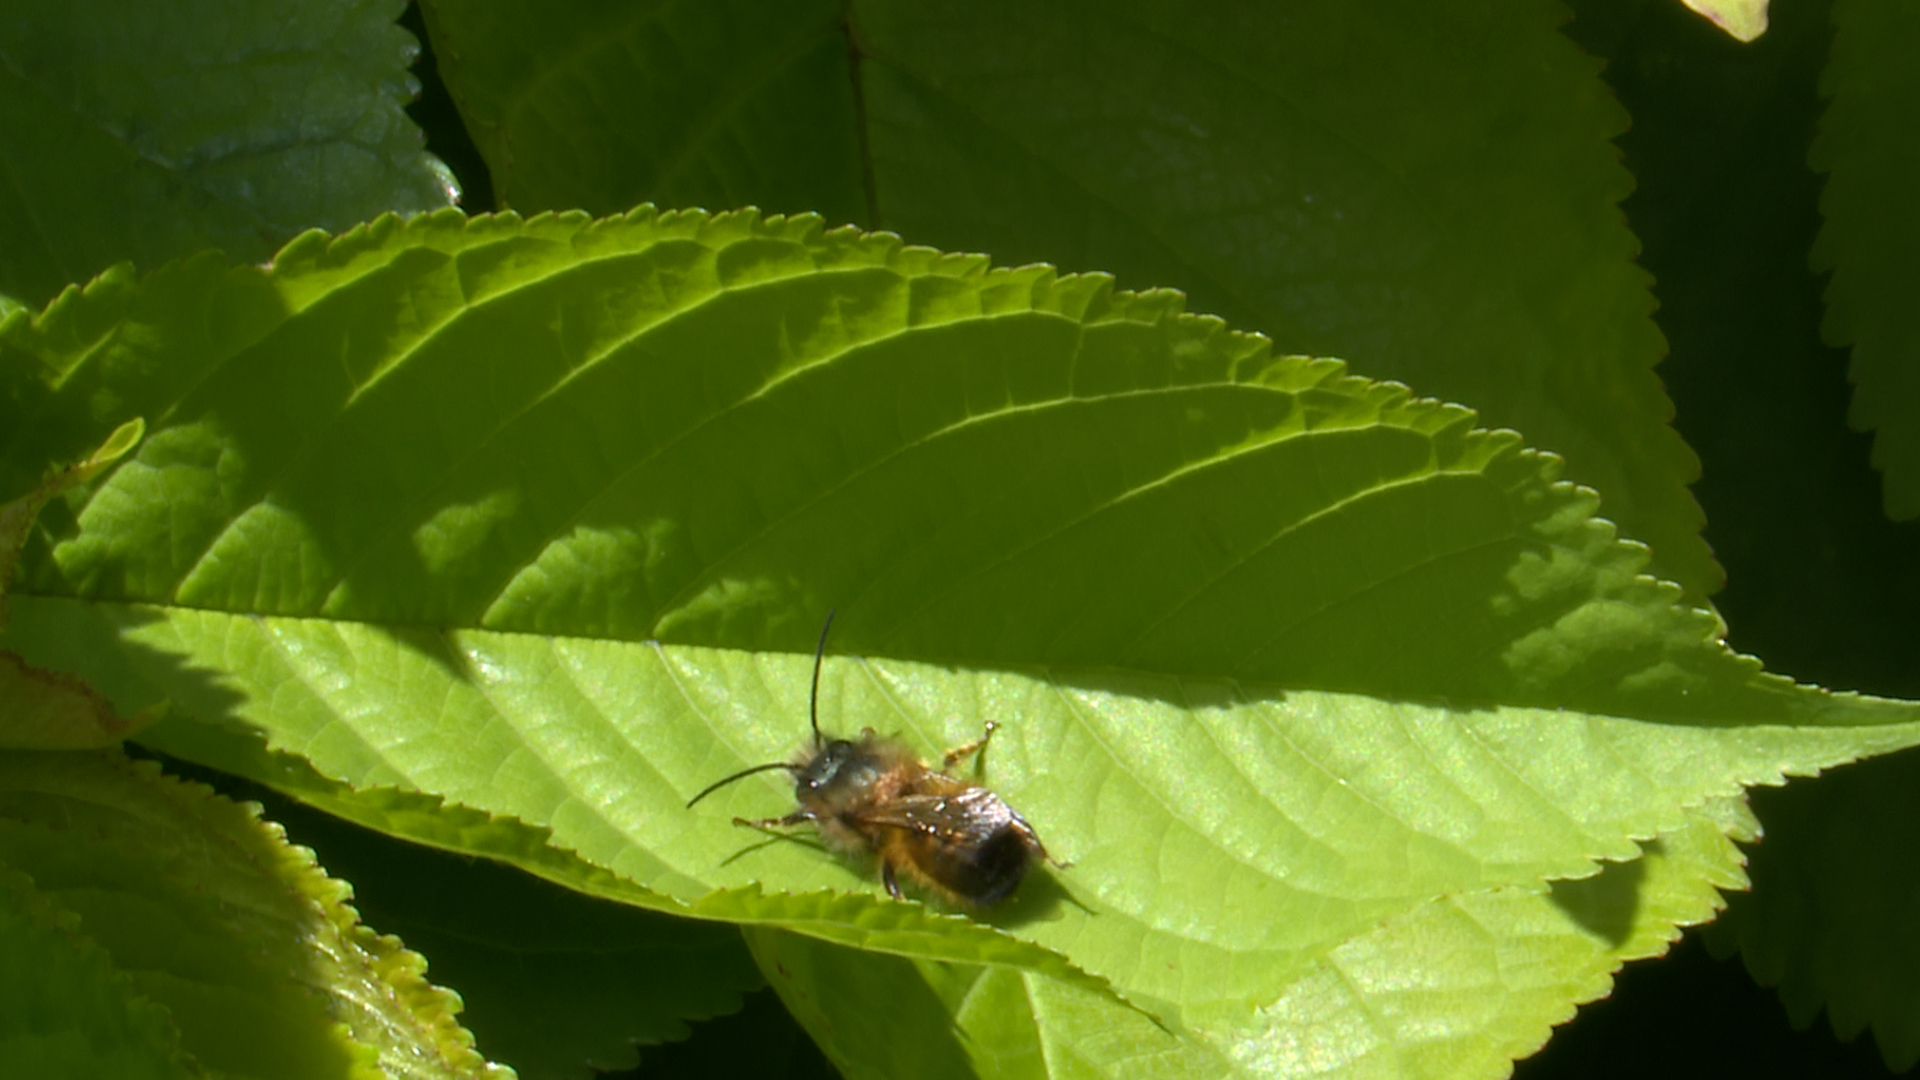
point(983, 873)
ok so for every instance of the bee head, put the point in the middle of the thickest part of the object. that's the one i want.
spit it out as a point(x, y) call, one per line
point(824, 768)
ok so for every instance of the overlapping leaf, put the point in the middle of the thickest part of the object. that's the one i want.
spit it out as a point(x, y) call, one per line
point(1872, 225)
point(78, 1016)
point(208, 914)
point(1427, 190)
point(1833, 884)
point(540, 518)
point(1829, 922)
point(145, 132)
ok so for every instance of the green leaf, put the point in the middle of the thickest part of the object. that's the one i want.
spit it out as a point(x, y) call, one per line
point(144, 132)
point(73, 1014)
point(539, 518)
point(1872, 225)
point(1427, 190)
point(248, 946)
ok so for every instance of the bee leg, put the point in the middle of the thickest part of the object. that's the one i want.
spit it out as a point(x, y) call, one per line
point(798, 817)
point(952, 756)
point(887, 878)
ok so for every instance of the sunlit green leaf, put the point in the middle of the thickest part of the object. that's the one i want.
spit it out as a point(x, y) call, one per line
point(1515, 959)
point(541, 518)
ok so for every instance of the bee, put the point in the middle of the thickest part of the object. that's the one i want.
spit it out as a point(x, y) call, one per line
point(951, 838)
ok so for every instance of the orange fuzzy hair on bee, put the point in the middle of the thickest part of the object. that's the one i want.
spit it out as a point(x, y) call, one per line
point(954, 839)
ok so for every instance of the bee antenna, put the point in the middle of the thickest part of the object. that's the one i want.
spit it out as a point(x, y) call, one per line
point(813, 700)
point(742, 774)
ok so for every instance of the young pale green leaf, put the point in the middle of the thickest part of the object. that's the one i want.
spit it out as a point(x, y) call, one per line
point(48, 710)
point(71, 1012)
point(145, 132)
point(250, 948)
point(1428, 190)
point(1872, 226)
point(540, 518)
point(1743, 20)
point(17, 515)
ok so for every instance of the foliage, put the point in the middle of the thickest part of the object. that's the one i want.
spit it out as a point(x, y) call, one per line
point(1372, 747)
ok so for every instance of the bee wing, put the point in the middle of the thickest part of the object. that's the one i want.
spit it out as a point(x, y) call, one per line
point(972, 813)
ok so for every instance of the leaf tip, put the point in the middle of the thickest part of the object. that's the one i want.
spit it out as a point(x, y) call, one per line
point(1743, 20)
